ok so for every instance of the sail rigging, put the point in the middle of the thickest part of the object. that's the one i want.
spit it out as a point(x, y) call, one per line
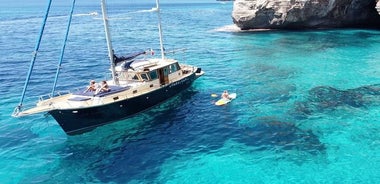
point(37, 46)
point(63, 47)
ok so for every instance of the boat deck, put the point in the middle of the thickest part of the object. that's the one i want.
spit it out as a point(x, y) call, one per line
point(113, 89)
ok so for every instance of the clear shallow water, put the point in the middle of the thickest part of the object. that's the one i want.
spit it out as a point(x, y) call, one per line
point(307, 107)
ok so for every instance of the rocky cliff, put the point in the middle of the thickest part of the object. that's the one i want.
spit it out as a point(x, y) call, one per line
point(304, 14)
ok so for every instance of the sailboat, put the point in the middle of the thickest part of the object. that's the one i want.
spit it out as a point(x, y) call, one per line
point(137, 84)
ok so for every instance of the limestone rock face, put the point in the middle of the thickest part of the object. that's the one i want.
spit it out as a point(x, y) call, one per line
point(303, 14)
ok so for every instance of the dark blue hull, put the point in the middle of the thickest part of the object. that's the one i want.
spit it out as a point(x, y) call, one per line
point(76, 121)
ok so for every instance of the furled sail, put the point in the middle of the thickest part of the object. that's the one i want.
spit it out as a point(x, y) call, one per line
point(127, 57)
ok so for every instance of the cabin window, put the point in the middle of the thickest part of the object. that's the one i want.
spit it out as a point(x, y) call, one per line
point(153, 74)
point(135, 77)
point(166, 71)
point(144, 77)
point(173, 68)
point(128, 76)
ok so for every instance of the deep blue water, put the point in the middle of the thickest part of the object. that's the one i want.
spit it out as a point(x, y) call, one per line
point(307, 107)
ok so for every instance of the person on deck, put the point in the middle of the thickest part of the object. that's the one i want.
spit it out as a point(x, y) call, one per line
point(91, 87)
point(103, 88)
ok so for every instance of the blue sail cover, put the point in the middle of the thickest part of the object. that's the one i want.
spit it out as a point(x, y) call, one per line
point(127, 57)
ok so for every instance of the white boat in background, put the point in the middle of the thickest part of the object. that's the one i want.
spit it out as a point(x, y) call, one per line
point(94, 13)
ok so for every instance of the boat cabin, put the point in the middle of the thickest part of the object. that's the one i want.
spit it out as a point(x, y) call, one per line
point(149, 70)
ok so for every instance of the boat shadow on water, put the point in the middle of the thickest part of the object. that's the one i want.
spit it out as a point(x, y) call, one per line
point(122, 150)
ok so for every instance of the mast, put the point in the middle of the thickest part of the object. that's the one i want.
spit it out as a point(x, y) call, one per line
point(160, 29)
point(109, 43)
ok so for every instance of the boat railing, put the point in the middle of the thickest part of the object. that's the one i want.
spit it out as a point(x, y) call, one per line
point(29, 104)
point(49, 96)
point(188, 68)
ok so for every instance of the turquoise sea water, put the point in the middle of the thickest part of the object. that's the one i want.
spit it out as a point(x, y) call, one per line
point(307, 109)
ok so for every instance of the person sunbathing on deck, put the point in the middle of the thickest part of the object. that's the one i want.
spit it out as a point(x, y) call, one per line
point(103, 88)
point(91, 87)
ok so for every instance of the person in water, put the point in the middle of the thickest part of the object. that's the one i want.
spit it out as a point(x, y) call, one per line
point(91, 87)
